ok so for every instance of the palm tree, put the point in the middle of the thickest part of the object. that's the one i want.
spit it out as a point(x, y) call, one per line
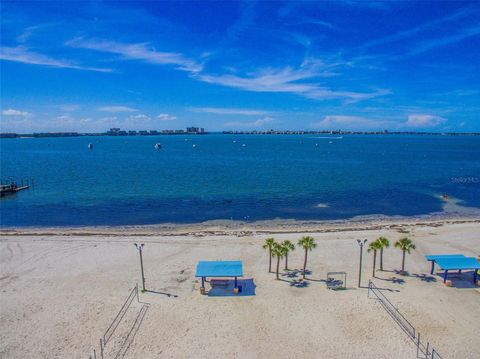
point(269, 243)
point(278, 251)
point(406, 245)
point(374, 246)
point(289, 246)
point(383, 243)
point(307, 243)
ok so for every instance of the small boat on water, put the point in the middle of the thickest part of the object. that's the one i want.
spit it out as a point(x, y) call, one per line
point(194, 145)
point(90, 146)
point(158, 146)
point(244, 145)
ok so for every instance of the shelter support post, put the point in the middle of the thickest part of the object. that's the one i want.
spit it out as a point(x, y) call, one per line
point(445, 274)
point(433, 267)
point(235, 282)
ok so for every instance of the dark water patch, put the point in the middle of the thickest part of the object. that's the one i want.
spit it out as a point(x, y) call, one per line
point(389, 202)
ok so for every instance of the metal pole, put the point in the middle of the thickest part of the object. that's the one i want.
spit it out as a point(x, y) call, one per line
point(141, 265)
point(426, 352)
point(361, 244)
point(360, 266)
point(140, 248)
point(101, 348)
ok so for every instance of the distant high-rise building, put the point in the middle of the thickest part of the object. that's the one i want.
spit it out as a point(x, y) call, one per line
point(195, 130)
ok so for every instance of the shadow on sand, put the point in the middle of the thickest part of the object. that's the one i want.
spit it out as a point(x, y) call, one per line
point(394, 280)
point(425, 278)
point(161, 293)
point(295, 276)
point(462, 280)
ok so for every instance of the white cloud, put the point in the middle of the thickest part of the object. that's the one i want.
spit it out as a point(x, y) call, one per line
point(254, 124)
point(108, 119)
point(12, 112)
point(68, 108)
point(300, 80)
point(424, 120)
point(289, 80)
point(319, 22)
point(229, 111)
point(26, 56)
point(29, 31)
point(138, 51)
point(352, 123)
point(166, 117)
point(140, 117)
point(445, 40)
point(64, 117)
point(413, 32)
point(116, 109)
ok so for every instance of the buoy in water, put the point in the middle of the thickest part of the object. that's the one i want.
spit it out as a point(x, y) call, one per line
point(90, 146)
point(194, 145)
point(244, 145)
point(157, 146)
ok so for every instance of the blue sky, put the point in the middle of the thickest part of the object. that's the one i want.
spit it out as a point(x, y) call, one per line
point(89, 66)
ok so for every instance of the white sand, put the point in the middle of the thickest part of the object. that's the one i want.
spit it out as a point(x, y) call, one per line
point(60, 293)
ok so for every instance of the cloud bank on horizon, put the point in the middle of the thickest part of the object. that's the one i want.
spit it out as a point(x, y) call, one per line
point(347, 65)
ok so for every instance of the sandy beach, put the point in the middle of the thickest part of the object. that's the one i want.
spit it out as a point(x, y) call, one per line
point(61, 289)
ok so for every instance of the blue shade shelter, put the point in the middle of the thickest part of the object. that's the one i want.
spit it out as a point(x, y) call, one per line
point(434, 257)
point(219, 269)
point(458, 263)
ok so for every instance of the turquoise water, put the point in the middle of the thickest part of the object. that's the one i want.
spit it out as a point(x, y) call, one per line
point(124, 180)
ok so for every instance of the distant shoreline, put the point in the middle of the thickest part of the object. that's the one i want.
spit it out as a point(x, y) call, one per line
point(11, 135)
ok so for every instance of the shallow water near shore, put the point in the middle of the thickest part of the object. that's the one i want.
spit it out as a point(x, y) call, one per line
point(125, 181)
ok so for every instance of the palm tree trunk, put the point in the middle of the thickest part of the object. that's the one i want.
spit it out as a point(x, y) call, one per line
point(278, 266)
point(270, 261)
point(286, 261)
point(374, 262)
point(305, 263)
point(403, 262)
point(381, 259)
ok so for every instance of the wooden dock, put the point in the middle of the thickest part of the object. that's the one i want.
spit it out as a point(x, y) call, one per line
point(11, 189)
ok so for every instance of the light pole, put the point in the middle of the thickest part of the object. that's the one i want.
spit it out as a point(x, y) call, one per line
point(361, 243)
point(140, 248)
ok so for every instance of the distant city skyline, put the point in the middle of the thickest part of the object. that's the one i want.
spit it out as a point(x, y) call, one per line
point(330, 65)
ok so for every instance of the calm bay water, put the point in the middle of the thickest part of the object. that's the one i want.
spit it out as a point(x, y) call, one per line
point(124, 180)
